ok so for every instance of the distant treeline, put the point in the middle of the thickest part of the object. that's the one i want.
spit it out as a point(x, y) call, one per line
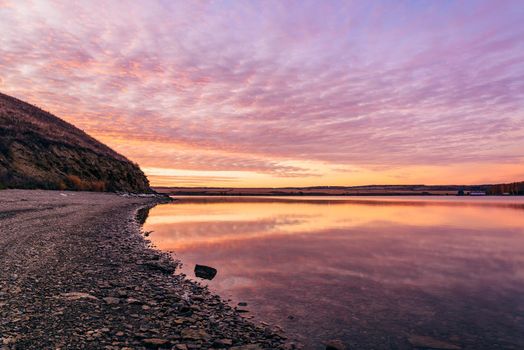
point(515, 188)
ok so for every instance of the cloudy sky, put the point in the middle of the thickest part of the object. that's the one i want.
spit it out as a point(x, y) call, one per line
point(281, 93)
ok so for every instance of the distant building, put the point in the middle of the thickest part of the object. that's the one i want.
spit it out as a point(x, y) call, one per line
point(477, 193)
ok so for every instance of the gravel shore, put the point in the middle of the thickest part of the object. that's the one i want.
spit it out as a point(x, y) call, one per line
point(75, 273)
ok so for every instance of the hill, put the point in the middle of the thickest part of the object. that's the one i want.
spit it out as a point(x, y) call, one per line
point(39, 150)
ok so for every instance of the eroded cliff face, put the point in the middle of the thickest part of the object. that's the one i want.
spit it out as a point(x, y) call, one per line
point(39, 150)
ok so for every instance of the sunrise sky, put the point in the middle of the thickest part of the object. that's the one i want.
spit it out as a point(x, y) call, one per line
point(281, 93)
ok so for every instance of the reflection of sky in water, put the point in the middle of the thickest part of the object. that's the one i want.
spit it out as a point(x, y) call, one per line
point(369, 271)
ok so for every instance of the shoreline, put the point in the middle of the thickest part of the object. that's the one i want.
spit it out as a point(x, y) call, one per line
point(76, 273)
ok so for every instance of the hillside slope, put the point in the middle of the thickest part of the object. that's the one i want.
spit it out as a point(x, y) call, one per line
point(39, 150)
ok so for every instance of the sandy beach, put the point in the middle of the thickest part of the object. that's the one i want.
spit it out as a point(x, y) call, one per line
point(76, 273)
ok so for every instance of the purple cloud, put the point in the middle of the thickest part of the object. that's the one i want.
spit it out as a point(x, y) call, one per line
point(377, 85)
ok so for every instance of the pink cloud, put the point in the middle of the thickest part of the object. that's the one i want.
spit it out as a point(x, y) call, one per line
point(370, 84)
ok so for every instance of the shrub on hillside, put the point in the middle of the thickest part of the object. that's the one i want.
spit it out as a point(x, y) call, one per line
point(75, 183)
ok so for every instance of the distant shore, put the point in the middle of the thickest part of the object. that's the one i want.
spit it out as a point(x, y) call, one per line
point(516, 188)
point(76, 273)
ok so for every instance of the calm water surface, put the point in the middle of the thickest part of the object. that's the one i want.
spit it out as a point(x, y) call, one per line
point(383, 273)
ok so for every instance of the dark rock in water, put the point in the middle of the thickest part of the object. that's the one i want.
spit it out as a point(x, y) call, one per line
point(242, 303)
point(205, 272)
point(335, 345)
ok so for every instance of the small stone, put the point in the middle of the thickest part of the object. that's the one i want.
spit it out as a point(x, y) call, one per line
point(78, 296)
point(222, 343)
point(246, 347)
point(195, 334)
point(8, 340)
point(165, 266)
point(111, 300)
point(122, 293)
point(155, 342)
point(335, 345)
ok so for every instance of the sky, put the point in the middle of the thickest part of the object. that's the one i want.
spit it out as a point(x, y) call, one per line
point(281, 93)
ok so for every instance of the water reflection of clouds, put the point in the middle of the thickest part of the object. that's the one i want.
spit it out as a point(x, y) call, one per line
point(193, 233)
point(358, 271)
point(182, 225)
